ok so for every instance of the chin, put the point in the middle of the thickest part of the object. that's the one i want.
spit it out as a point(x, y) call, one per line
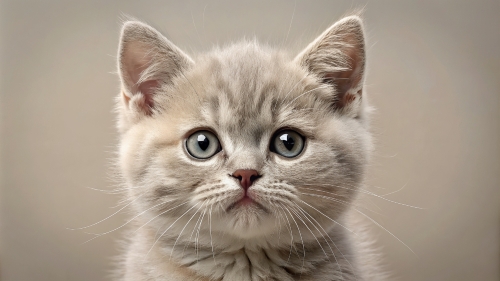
point(249, 221)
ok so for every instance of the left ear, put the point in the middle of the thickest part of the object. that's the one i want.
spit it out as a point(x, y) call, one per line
point(337, 57)
point(146, 61)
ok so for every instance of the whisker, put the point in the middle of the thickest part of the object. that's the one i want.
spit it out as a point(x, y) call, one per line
point(191, 236)
point(291, 233)
point(211, 240)
point(378, 224)
point(182, 230)
point(80, 228)
point(395, 190)
point(302, 240)
point(170, 227)
point(104, 233)
point(329, 217)
point(334, 256)
point(299, 217)
point(291, 21)
point(278, 217)
point(162, 213)
point(337, 200)
point(197, 239)
point(111, 192)
point(303, 212)
point(366, 192)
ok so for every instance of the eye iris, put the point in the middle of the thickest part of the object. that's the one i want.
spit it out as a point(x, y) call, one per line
point(287, 141)
point(203, 142)
point(202, 145)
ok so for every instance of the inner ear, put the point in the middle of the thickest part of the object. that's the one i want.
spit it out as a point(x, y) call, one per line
point(337, 57)
point(349, 82)
point(136, 59)
point(148, 88)
point(144, 96)
point(147, 61)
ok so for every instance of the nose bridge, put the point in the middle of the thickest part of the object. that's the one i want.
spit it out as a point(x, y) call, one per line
point(246, 158)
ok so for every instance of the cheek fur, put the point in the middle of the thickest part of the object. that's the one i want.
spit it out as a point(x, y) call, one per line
point(326, 175)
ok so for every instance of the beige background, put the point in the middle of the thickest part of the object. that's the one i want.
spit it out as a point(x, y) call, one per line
point(434, 77)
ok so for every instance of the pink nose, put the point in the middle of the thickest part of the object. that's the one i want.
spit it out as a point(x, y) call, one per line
point(246, 177)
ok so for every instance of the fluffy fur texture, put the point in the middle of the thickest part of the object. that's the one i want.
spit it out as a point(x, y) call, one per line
point(301, 224)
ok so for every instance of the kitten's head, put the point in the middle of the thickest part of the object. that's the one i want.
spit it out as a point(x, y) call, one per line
point(244, 133)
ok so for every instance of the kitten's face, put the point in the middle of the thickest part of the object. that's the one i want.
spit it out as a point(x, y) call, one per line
point(246, 135)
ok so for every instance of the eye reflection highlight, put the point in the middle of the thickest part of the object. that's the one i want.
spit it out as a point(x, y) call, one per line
point(287, 143)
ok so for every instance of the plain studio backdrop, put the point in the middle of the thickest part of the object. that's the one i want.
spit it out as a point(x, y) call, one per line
point(433, 77)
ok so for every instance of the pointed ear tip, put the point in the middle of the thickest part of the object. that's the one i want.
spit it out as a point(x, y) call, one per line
point(135, 26)
point(353, 19)
point(132, 25)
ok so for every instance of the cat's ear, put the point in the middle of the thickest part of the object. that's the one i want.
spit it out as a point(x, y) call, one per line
point(337, 57)
point(146, 62)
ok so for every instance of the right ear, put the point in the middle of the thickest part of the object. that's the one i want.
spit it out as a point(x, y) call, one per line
point(147, 61)
point(337, 58)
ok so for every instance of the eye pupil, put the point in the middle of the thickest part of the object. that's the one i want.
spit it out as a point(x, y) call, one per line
point(203, 142)
point(287, 141)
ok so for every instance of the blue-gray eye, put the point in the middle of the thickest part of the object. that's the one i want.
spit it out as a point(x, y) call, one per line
point(287, 143)
point(202, 145)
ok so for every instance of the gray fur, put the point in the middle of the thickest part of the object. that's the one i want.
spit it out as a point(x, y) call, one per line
point(244, 94)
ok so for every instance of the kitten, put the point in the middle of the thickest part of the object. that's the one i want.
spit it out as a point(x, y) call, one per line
point(244, 163)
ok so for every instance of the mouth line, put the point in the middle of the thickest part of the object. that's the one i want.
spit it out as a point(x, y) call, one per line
point(246, 202)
